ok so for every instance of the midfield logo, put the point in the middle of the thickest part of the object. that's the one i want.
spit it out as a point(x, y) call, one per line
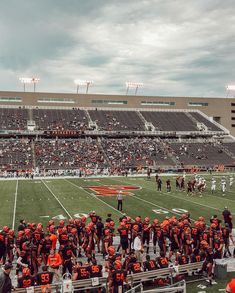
point(111, 190)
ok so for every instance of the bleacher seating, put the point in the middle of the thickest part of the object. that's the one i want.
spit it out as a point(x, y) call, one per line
point(58, 119)
point(117, 120)
point(68, 154)
point(15, 154)
point(230, 146)
point(13, 118)
point(134, 152)
point(200, 154)
point(211, 126)
point(170, 121)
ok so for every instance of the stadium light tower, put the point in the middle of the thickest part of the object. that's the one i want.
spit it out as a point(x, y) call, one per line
point(230, 88)
point(133, 85)
point(28, 80)
point(86, 83)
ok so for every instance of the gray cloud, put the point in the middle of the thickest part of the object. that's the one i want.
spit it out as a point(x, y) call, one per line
point(180, 47)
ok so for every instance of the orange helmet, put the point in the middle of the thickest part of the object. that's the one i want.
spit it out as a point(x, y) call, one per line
point(27, 231)
point(50, 222)
point(118, 264)
point(112, 224)
point(26, 271)
point(136, 227)
point(213, 226)
point(11, 232)
point(204, 243)
point(111, 250)
point(122, 224)
point(20, 233)
point(5, 229)
point(71, 221)
point(74, 231)
point(61, 222)
point(106, 232)
point(83, 218)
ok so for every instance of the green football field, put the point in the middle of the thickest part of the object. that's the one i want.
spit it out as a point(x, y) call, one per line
point(40, 200)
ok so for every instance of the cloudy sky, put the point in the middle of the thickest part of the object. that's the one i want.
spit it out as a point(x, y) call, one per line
point(175, 47)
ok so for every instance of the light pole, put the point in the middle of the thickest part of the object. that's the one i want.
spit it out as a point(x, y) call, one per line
point(133, 85)
point(230, 88)
point(86, 83)
point(28, 80)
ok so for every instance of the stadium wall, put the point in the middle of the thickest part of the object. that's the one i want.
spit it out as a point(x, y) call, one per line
point(222, 110)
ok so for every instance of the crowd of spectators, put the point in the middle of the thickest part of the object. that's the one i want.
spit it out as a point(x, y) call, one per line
point(69, 154)
point(132, 152)
point(15, 154)
point(109, 155)
point(13, 118)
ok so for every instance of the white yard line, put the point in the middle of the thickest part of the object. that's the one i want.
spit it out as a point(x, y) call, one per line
point(94, 196)
point(15, 202)
point(57, 200)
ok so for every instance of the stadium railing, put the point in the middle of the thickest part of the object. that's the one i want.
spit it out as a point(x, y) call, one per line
point(132, 279)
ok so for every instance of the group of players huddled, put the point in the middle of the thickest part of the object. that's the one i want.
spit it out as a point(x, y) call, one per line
point(195, 185)
point(42, 253)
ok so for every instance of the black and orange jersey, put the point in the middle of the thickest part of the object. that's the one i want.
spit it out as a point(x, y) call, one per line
point(67, 252)
point(150, 265)
point(195, 233)
point(217, 243)
point(146, 228)
point(44, 278)
point(94, 218)
point(162, 262)
point(158, 233)
point(83, 273)
point(118, 277)
point(2, 239)
point(134, 267)
point(95, 271)
point(197, 257)
point(63, 238)
point(46, 245)
point(225, 232)
point(183, 259)
point(25, 281)
point(123, 231)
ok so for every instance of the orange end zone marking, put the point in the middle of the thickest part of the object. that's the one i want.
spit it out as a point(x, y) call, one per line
point(112, 190)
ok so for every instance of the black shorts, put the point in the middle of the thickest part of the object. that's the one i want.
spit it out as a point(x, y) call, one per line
point(124, 244)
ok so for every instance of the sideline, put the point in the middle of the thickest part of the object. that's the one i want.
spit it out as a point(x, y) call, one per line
point(15, 202)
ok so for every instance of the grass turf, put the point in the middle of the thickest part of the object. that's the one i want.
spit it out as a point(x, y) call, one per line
point(40, 200)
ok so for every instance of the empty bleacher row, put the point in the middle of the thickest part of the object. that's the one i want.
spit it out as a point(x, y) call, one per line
point(112, 154)
point(105, 120)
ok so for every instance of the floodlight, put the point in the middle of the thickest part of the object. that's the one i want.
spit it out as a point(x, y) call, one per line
point(28, 80)
point(86, 83)
point(230, 87)
point(134, 85)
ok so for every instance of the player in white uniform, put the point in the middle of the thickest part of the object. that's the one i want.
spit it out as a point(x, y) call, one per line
point(213, 185)
point(230, 181)
point(223, 185)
